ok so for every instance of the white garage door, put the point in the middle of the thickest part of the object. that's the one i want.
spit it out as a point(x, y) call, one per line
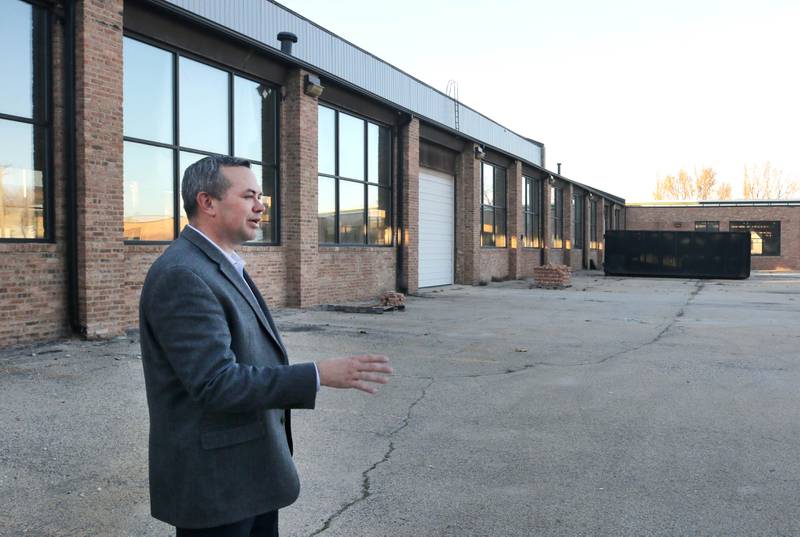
point(436, 227)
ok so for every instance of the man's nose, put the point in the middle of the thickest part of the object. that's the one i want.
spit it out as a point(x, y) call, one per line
point(259, 206)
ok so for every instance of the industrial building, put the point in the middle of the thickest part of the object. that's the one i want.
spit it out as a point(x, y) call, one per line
point(773, 225)
point(374, 180)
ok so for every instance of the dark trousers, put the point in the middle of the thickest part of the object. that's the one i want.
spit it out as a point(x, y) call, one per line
point(265, 525)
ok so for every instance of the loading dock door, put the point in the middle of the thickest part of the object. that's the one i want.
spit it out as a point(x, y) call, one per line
point(436, 228)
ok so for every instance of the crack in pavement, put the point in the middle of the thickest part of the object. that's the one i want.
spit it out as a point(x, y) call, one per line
point(365, 478)
point(699, 285)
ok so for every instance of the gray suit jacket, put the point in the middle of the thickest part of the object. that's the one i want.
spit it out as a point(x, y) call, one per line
point(218, 390)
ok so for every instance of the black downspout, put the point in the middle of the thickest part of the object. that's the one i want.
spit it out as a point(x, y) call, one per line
point(400, 284)
point(70, 170)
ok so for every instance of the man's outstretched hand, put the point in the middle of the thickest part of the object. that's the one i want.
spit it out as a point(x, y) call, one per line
point(355, 372)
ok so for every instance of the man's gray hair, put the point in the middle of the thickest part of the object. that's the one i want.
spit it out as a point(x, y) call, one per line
point(205, 175)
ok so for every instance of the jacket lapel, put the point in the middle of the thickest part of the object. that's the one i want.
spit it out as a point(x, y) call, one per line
point(233, 277)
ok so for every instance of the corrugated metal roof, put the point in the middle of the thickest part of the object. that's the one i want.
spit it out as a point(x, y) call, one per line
point(262, 20)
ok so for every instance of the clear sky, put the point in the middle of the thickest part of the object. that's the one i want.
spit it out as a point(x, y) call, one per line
point(619, 91)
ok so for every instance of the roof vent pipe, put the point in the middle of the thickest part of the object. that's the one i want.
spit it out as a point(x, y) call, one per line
point(286, 39)
point(557, 163)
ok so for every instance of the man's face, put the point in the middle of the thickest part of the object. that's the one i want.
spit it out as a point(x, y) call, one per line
point(239, 211)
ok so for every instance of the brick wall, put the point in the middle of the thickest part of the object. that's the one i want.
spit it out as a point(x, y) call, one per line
point(683, 219)
point(98, 110)
point(410, 204)
point(353, 273)
point(494, 263)
point(299, 192)
point(468, 216)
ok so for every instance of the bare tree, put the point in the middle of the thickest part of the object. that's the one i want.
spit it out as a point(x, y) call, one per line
point(682, 186)
point(763, 182)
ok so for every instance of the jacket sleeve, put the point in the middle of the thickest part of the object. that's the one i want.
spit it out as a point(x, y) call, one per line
point(190, 326)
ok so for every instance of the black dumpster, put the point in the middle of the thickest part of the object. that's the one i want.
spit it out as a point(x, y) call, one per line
point(686, 254)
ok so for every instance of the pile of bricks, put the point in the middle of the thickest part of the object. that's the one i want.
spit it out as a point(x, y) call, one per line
point(393, 299)
point(552, 276)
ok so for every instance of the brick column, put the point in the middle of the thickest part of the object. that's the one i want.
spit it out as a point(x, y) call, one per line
point(601, 230)
point(299, 192)
point(547, 228)
point(409, 267)
point(587, 212)
point(468, 216)
point(98, 114)
point(516, 226)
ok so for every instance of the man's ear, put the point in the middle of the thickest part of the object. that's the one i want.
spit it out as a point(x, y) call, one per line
point(206, 204)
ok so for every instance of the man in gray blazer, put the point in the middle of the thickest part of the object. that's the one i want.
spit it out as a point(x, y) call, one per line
point(219, 385)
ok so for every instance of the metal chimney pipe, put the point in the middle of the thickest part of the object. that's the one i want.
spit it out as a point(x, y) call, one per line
point(557, 164)
point(286, 39)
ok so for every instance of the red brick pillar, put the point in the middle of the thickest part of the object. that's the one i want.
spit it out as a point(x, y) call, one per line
point(299, 192)
point(98, 114)
point(468, 216)
point(601, 231)
point(587, 214)
point(569, 232)
point(547, 228)
point(409, 266)
point(516, 225)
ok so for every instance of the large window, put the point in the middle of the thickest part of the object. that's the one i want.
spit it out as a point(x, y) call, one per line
point(493, 205)
point(706, 225)
point(577, 220)
point(24, 123)
point(532, 212)
point(557, 215)
point(355, 180)
point(594, 243)
point(765, 237)
point(176, 111)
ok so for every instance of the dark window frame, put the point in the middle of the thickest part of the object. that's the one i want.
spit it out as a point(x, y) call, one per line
point(704, 225)
point(532, 188)
point(578, 224)
point(494, 206)
point(42, 117)
point(747, 225)
point(607, 217)
point(176, 148)
point(366, 182)
point(557, 215)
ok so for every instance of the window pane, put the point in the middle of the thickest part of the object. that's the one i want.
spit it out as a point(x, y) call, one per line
point(351, 212)
point(147, 97)
point(21, 185)
point(326, 140)
point(500, 228)
point(379, 155)
point(203, 107)
point(148, 193)
point(379, 230)
point(266, 177)
point(186, 159)
point(488, 184)
point(16, 58)
point(351, 147)
point(326, 210)
point(499, 187)
point(249, 118)
point(487, 229)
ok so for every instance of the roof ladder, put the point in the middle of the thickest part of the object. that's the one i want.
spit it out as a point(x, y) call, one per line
point(452, 92)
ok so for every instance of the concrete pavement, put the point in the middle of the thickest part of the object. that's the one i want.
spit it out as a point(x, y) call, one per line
point(616, 407)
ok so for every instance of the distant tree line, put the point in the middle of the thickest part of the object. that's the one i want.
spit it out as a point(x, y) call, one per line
point(759, 182)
